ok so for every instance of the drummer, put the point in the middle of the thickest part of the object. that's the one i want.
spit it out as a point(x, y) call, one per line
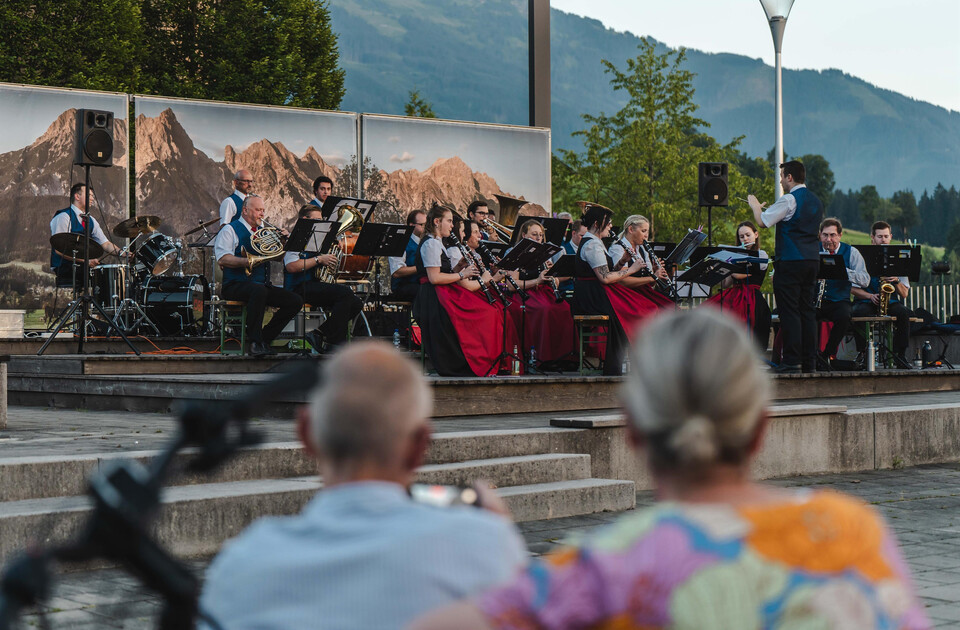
point(69, 220)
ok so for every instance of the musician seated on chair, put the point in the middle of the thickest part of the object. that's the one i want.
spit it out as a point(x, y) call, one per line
point(479, 211)
point(254, 287)
point(835, 304)
point(867, 298)
point(340, 303)
point(404, 282)
point(69, 220)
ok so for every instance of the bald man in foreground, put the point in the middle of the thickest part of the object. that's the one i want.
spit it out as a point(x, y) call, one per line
point(362, 554)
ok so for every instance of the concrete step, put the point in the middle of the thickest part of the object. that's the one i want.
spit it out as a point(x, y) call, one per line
point(501, 453)
point(196, 520)
point(509, 471)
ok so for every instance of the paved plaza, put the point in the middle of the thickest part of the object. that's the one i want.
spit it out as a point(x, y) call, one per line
point(922, 506)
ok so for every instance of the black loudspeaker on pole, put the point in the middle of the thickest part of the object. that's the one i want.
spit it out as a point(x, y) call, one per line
point(94, 137)
point(713, 184)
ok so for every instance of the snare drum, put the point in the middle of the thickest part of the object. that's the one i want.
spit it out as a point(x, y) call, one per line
point(109, 285)
point(156, 253)
point(177, 305)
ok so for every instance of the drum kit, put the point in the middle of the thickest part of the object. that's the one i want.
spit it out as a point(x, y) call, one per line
point(147, 292)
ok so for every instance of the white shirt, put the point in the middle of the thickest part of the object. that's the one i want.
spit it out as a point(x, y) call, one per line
point(857, 271)
point(592, 251)
point(782, 209)
point(359, 556)
point(229, 209)
point(431, 251)
point(396, 262)
point(61, 223)
point(454, 254)
point(227, 240)
point(616, 252)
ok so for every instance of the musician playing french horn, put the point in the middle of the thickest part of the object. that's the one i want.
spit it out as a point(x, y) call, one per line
point(248, 280)
point(339, 302)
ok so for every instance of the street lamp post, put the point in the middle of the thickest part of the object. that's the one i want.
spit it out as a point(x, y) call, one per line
point(777, 12)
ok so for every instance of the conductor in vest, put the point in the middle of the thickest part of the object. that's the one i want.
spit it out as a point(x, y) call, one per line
point(254, 289)
point(797, 215)
point(230, 207)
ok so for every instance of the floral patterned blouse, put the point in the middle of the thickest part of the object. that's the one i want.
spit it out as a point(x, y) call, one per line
point(820, 560)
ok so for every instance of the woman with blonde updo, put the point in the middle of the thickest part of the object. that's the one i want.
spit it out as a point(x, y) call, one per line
point(717, 550)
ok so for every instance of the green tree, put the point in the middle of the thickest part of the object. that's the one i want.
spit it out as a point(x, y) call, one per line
point(820, 179)
point(643, 158)
point(909, 212)
point(418, 106)
point(90, 44)
point(869, 202)
point(276, 52)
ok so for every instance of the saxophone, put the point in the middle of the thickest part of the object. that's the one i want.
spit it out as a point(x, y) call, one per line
point(886, 292)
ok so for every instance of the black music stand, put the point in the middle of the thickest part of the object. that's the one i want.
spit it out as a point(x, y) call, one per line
point(710, 271)
point(526, 256)
point(892, 260)
point(311, 236)
point(832, 267)
point(496, 248)
point(378, 240)
point(86, 300)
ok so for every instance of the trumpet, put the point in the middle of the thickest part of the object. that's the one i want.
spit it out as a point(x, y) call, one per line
point(267, 243)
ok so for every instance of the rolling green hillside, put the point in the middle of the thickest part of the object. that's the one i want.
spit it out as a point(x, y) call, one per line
point(469, 59)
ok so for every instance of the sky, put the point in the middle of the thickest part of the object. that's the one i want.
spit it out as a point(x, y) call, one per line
point(908, 46)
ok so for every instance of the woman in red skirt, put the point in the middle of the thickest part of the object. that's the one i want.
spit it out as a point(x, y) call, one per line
point(463, 333)
point(545, 322)
point(601, 290)
point(740, 294)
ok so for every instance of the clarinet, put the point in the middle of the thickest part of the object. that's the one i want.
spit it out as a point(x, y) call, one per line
point(485, 251)
point(468, 257)
point(554, 284)
point(667, 285)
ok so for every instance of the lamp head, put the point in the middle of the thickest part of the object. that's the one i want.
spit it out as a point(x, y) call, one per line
point(777, 12)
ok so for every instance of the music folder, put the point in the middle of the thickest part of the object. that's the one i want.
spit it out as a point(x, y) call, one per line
point(528, 256)
point(382, 239)
point(832, 267)
point(564, 267)
point(331, 207)
point(313, 236)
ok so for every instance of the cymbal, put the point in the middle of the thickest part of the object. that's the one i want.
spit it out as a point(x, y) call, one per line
point(136, 225)
point(202, 225)
point(72, 245)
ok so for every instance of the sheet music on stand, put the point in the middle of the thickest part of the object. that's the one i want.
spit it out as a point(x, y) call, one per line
point(331, 207)
point(684, 249)
point(528, 255)
point(832, 267)
point(701, 278)
point(892, 260)
point(313, 236)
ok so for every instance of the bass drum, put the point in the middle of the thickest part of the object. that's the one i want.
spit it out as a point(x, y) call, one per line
point(177, 305)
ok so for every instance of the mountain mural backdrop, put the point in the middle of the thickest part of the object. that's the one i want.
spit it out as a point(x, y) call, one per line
point(469, 59)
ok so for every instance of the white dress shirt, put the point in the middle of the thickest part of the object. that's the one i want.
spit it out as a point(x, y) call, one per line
point(359, 556)
point(782, 209)
point(61, 223)
point(227, 240)
point(431, 252)
point(396, 262)
point(592, 251)
point(229, 209)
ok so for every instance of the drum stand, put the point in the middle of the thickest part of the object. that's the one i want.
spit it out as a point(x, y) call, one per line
point(129, 307)
point(85, 301)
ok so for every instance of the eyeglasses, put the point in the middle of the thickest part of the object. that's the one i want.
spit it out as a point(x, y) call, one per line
point(245, 181)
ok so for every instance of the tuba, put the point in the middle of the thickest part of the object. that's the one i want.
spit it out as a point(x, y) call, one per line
point(509, 209)
point(350, 220)
point(267, 243)
point(886, 292)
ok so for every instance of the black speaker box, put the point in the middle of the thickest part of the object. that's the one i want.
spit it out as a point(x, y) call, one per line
point(713, 184)
point(94, 137)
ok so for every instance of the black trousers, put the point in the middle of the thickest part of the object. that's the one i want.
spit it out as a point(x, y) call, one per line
point(837, 313)
point(340, 302)
point(901, 327)
point(795, 289)
point(258, 297)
